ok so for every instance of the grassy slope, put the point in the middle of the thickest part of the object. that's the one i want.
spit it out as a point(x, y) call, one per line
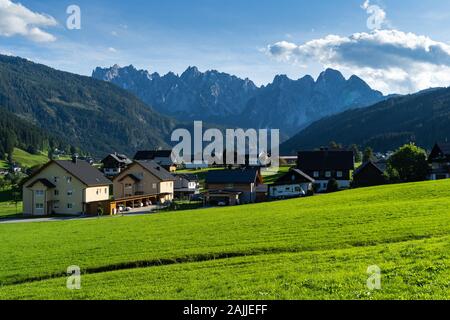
point(3, 164)
point(28, 160)
point(387, 218)
point(410, 270)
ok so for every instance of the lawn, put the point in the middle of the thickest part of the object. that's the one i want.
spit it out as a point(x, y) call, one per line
point(317, 247)
point(7, 208)
point(28, 160)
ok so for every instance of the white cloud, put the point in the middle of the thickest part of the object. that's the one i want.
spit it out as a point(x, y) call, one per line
point(389, 60)
point(112, 50)
point(15, 19)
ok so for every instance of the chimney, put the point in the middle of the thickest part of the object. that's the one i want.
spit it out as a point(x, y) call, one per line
point(75, 158)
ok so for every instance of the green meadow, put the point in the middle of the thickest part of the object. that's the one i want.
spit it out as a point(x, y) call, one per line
point(310, 248)
point(28, 160)
point(8, 208)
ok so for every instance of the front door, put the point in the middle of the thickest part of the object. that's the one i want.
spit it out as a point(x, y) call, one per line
point(39, 203)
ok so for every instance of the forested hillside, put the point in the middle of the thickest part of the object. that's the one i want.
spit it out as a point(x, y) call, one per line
point(17, 133)
point(422, 118)
point(93, 115)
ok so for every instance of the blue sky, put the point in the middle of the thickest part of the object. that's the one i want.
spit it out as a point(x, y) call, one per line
point(248, 38)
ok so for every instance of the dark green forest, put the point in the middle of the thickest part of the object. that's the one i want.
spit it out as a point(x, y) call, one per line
point(92, 115)
point(422, 118)
point(17, 133)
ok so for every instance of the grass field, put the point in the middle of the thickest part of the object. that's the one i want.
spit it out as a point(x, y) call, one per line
point(28, 160)
point(7, 208)
point(317, 247)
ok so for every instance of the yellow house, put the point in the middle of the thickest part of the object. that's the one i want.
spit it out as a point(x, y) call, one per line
point(65, 187)
point(144, 178)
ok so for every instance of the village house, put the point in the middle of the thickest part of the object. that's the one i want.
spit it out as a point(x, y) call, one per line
point(143, 183)
point(294, 183)
point(161, 157)
point(115, 163)
point(439, 160)
point(324, 165)
point(233, 187)
point(69, 187)
point(369, 174)
point(186, 185)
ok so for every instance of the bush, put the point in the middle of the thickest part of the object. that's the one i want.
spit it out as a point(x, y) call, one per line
point(332, 186)
point(408, 164)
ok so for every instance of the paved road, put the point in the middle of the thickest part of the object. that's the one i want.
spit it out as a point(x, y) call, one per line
point(133, 212)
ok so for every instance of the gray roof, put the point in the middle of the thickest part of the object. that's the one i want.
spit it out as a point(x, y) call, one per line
point(152, 154)
point(84, 172)
point(157, 170)
point(377, 166)
point(232, 176)
point(45, 182)
point(188, 176)
point(286, 178)
point(132, 176)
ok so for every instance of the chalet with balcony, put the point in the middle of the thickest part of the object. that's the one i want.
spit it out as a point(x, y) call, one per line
point(115, 163)
point(439, 160)
point(232, 187)
point(324, 165)
point(144, 182)
point(161, 157)
point(186, 185)
point(66, 187)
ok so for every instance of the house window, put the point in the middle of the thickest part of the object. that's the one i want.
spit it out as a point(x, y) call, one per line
point(229, 186)
point(69, 179)
point(339, 174)
point(39, 206)
point(56, 192)
point(70, 206)
point(56, 205)
point(39, 193)
point(99, 191)
point(70, 193)
point(106, 190)
point(328, 174)
point(316, 174)
point(55, 179)
point(154, 186)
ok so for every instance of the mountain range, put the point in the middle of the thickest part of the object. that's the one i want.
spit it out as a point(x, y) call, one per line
point(215, 97)
point(422, 118)
point(99, 117)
